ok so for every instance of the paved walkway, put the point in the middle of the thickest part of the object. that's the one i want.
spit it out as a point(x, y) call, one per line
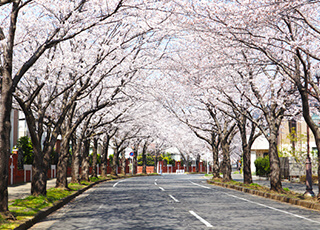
point(296, 187)
point(23, 190)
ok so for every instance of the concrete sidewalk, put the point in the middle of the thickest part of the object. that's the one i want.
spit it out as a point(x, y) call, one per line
point(296, 187)
point(23, 190)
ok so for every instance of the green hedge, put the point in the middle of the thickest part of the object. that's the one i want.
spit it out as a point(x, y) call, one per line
point(262, 166)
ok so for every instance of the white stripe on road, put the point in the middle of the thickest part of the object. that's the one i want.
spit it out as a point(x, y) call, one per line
point(174, 198)
point(200, 185)
point(206, 223)
point(155, 183)
point(162, 188)
point(155, 179)
point(279, 210)
point(118, 183)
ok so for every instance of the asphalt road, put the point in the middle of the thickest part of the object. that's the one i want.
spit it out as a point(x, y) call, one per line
point(175, 202)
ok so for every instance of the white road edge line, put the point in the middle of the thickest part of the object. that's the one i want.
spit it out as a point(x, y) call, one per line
point(206, 223)
point(200, 185)
point(155, 183)
point(173, 198)
point(162, 188)
point(118, 183)
point(279, 210)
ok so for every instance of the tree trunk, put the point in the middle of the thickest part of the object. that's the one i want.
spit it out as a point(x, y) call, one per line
point(94, 158)
point(226, 164)
point(187, 163)
point(215, 165)
point(39, 173)
point(247, 176)
point(135, 161)
point(197, 163)
point(85, 161)
point(155, 164)
point(115, 163)
point(123, 162)
point(144, 159)
point(62, 166)
point(75, 164)
point(275, 177)
point(104, 158)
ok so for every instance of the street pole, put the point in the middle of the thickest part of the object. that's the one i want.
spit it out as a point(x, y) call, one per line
point(308, 191)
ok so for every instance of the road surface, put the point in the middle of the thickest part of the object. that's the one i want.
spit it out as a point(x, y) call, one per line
point(175, 202)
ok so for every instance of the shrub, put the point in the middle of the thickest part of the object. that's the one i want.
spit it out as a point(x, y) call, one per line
point(262, 166)
point(25, 144)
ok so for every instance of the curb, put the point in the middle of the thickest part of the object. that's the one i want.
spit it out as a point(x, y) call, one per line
point(284, 199)
point(58, 204)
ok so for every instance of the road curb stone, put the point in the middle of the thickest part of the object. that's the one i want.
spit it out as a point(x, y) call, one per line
point(284, 199)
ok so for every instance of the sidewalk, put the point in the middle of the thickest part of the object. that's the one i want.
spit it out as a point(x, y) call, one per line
point(23, 190)
point(296, 187)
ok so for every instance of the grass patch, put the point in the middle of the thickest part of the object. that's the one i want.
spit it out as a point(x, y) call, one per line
point(286, 189)
point(28, 207)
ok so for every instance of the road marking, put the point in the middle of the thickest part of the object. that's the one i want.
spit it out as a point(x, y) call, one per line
point(173, 198)
point(206, 223)
point(279, 210)
point(118, 183)
point(162, 188)
point(155, 179)
point(200, 185)
point(155, 183)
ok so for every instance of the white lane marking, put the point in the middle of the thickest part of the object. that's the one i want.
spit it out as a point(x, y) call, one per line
point(118, 183)
point(155, 183)
point(279, 210)
point(155, 179)
point(162, 188)
point(173, 198)
point(206, 223)
point(200, 185)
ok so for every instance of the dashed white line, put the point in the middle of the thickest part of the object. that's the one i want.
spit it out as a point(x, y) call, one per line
point(173, 198)
point(118, 183)
point(162, 188)
point(155, 179)
point(206, 223)
point(155, 183)
point(200, 185)
point(279, 210)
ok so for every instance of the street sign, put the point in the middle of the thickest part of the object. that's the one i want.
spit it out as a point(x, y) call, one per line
point(131, 154)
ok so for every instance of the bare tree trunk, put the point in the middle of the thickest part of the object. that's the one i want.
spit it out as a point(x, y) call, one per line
point(155, 163)
point(123, 162)
point(94, 158)
point(226, 164)
point(39, 173)
point(62, 166)
point(104, 158)
point(115, 163)
point(144, 158)
point(187, 163)
point(85, 161)
point(197, 163)
point(275, 177)
point(215, 165)
point(135, 161)
point(75, 164)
